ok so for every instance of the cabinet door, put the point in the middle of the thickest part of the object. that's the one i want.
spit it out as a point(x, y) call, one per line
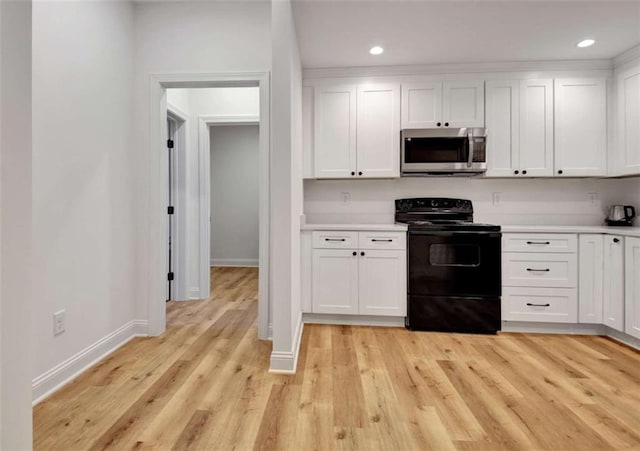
point(632, 281)
point(591, 279)
point(613, 295)
point(307, 133)
point(335, 131)
point(463, 103)
point(536, 128)
point(378, 133)
point(628, 118)
point(334, 281)
point(383, 283)
point(421, 105)
point(503, 127)
point(580, 127)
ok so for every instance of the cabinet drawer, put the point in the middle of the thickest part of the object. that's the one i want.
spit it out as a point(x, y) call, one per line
point(549, 305)
point(382, 240)
point(542, 242)
point(539, 270)
point(335, 240)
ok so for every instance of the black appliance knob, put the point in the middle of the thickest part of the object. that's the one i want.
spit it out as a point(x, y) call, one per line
point(524, 172)
point(516, 172)
point(434, 203)
point(439, 124)
point(560, 171)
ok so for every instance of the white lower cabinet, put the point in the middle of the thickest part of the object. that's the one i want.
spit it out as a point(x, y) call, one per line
point(591, 279)
point(370, 278)
point(335, 281)
point(382, 280)
point(613, 293)
point(632, 284)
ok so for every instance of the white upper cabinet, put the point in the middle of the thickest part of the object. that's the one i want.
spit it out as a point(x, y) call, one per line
point(536, 128)
point(421, 105)
point(443, 104)
point(632, 292)
point(307, 133)
point(335, 131)
point(581, 127)
point(613, 294)
point(628, 119)
point(503, 126)
point(378, 135)
point(463, 103)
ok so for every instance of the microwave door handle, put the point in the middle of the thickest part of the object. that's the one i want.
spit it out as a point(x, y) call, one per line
point(471, 149)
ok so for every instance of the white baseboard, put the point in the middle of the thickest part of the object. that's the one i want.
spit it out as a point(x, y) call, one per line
point(623, 338)
point(353, 320)
point(50, 381)
point(243, 262)
point(287, 362)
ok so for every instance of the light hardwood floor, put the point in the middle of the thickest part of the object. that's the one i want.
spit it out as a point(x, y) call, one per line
point(204, 385)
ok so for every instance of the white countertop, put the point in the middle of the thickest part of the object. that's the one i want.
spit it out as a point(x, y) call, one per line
point(357, 227)
point(622, 231)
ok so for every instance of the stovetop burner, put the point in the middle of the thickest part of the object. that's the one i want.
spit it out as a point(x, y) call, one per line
point(439, 214)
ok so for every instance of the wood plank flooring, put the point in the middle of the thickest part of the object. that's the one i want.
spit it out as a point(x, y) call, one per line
point(204, 385)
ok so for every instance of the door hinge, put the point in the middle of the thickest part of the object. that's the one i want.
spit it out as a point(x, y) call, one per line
point(170, 143)
point(170, 276)
point(170, 210)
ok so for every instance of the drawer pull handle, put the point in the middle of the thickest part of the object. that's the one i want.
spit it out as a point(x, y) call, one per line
point(335, 239)
point(538, 305)
point(542, 243)
point(538, 270)
point(385, 241)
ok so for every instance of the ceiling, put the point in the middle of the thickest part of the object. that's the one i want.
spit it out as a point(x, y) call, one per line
point(340, 33)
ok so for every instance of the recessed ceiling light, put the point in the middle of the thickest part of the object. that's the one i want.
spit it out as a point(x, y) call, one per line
point(586, 43)
point(377, 50)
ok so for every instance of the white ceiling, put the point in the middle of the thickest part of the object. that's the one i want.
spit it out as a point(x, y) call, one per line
point(340, 33)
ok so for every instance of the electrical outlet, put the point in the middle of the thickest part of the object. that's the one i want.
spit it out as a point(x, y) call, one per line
point(58, 322)
point(497, 197)
point(346, 196)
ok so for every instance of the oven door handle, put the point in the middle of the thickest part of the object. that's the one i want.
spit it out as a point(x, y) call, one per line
point(452, 233)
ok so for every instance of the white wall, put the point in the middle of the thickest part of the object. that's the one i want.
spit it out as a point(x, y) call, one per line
point(84, 206)
point(15, 225)
point(191, 38)
point(234, 195)
point(286, 182)
point(531, 201)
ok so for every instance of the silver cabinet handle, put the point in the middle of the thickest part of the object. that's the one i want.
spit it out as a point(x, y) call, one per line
point(542, 243)
point(538, 305)
point(471, 149)
point(538, 270)
point(335, 239)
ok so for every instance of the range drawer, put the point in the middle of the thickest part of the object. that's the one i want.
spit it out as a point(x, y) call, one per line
point(382, 240)
point(540, 242)
point(334, 240)
point(549, 305)
point(539, 270)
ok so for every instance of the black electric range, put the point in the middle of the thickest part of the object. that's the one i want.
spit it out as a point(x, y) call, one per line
point(454, 267)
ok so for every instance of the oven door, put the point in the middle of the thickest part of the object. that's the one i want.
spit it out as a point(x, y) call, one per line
point(454, 263)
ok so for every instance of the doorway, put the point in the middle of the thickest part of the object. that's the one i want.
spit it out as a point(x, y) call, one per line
point(163, 231)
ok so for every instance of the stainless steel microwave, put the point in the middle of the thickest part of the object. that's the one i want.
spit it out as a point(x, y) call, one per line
point(455, 151)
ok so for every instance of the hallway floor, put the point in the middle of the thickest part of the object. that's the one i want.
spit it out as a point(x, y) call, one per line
point(204, 385)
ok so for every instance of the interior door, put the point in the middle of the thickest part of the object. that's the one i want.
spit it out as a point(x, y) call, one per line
point(171, 134)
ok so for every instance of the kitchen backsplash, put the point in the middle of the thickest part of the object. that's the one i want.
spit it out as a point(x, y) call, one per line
point(499, 201)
